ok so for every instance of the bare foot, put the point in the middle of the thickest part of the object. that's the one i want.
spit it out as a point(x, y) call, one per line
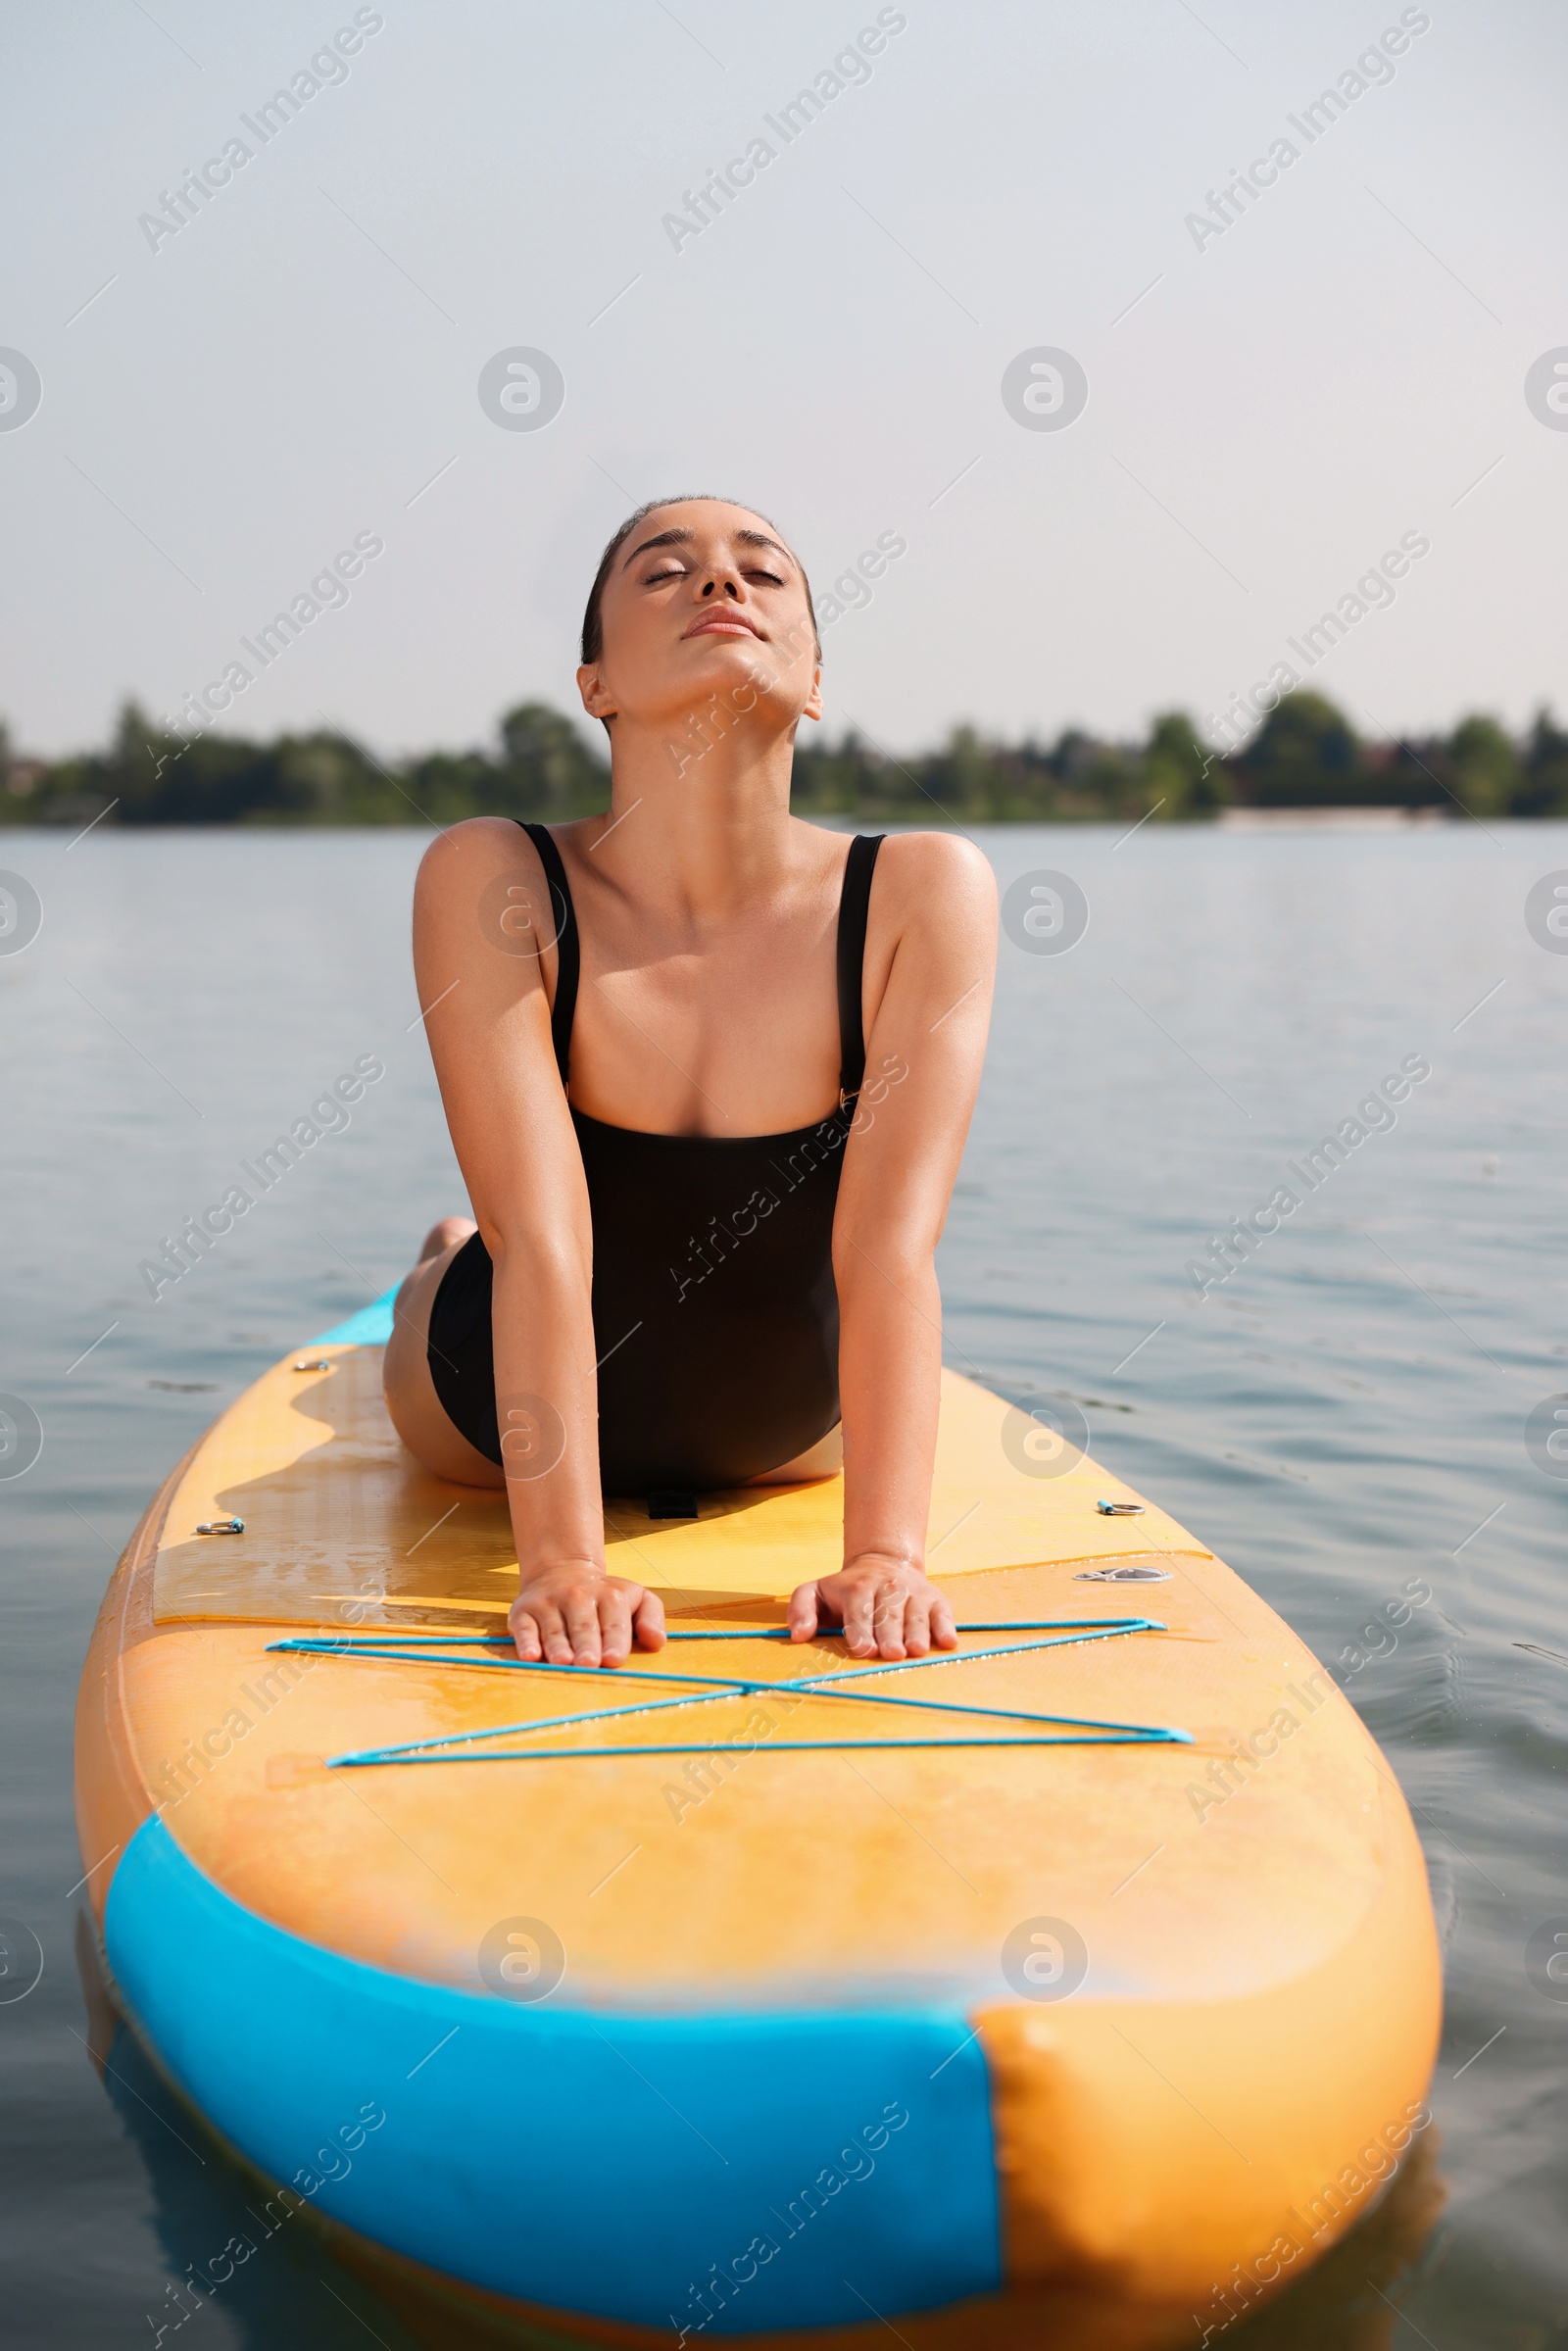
point(441, 1236)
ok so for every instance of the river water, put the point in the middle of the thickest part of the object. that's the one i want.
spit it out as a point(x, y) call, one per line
point(1345, 1412)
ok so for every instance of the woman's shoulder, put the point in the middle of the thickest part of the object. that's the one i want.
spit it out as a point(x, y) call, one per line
point(478, 846)
point(481, 885)
point(925, 878)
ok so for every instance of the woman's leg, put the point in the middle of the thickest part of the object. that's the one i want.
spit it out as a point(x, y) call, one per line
point(416, 1410)
point(825, 1459)
point(420, 1419)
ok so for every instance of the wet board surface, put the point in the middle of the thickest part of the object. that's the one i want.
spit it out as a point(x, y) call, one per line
point(338, 1515)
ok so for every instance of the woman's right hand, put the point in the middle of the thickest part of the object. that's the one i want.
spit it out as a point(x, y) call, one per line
point(575, 1614)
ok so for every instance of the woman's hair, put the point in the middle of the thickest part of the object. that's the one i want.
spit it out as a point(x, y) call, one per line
point(593, 636)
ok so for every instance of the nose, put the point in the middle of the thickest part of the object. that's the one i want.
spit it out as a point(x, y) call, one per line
point(722, 578)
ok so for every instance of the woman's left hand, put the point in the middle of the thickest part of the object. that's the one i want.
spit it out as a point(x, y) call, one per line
point(887, 1607)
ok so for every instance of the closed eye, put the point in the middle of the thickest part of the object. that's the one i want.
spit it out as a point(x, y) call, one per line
point(656, 580)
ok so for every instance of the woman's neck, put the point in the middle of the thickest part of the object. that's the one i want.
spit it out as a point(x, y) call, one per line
point(699, 817)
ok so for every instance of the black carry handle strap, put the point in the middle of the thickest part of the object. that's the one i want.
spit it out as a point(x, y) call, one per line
point(567, 954)
point(853, 905)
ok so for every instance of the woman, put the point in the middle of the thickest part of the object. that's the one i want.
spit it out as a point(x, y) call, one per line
point(708, 1071)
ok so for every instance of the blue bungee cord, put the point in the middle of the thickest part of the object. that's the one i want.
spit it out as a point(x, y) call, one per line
point(700, 1689)
point(810, 1685)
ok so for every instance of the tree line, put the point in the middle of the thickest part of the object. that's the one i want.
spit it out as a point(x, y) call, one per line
point(1304, 755)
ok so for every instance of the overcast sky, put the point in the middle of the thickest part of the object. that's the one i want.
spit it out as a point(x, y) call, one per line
point(1272, 403)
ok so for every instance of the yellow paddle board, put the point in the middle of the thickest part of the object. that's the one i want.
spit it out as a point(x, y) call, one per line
point(1076, 1987)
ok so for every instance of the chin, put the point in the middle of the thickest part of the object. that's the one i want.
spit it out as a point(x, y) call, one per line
point(723, 665)
point(746, 650)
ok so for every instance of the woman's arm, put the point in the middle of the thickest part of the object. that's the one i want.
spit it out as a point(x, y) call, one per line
point(484, 939)
point(934, 920)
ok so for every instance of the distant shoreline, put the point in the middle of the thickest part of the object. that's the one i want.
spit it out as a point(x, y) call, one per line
point(1260, 825)
point(1303, 767)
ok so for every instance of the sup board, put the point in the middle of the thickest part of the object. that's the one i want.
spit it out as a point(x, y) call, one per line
point(1073, 1987)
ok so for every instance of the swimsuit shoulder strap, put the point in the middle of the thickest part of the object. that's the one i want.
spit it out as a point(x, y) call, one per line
point(854, 903)
point(569, 959)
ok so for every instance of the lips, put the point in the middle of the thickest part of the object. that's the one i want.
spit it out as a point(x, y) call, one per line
point(723, 624)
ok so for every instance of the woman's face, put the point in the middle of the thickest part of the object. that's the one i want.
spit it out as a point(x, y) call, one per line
point(704, 600)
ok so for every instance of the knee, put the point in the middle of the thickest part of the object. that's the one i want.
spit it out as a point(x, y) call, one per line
point(441, 1236)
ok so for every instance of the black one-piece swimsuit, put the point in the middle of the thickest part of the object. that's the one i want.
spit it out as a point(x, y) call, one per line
point(715, 1313)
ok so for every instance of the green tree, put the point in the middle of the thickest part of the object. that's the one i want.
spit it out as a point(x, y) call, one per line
point(1545, 789)
point(828, 780)
point(962, 776)
point(1181, 771)
point(1484, 769)
point(546, 768)
point(1305, 755)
